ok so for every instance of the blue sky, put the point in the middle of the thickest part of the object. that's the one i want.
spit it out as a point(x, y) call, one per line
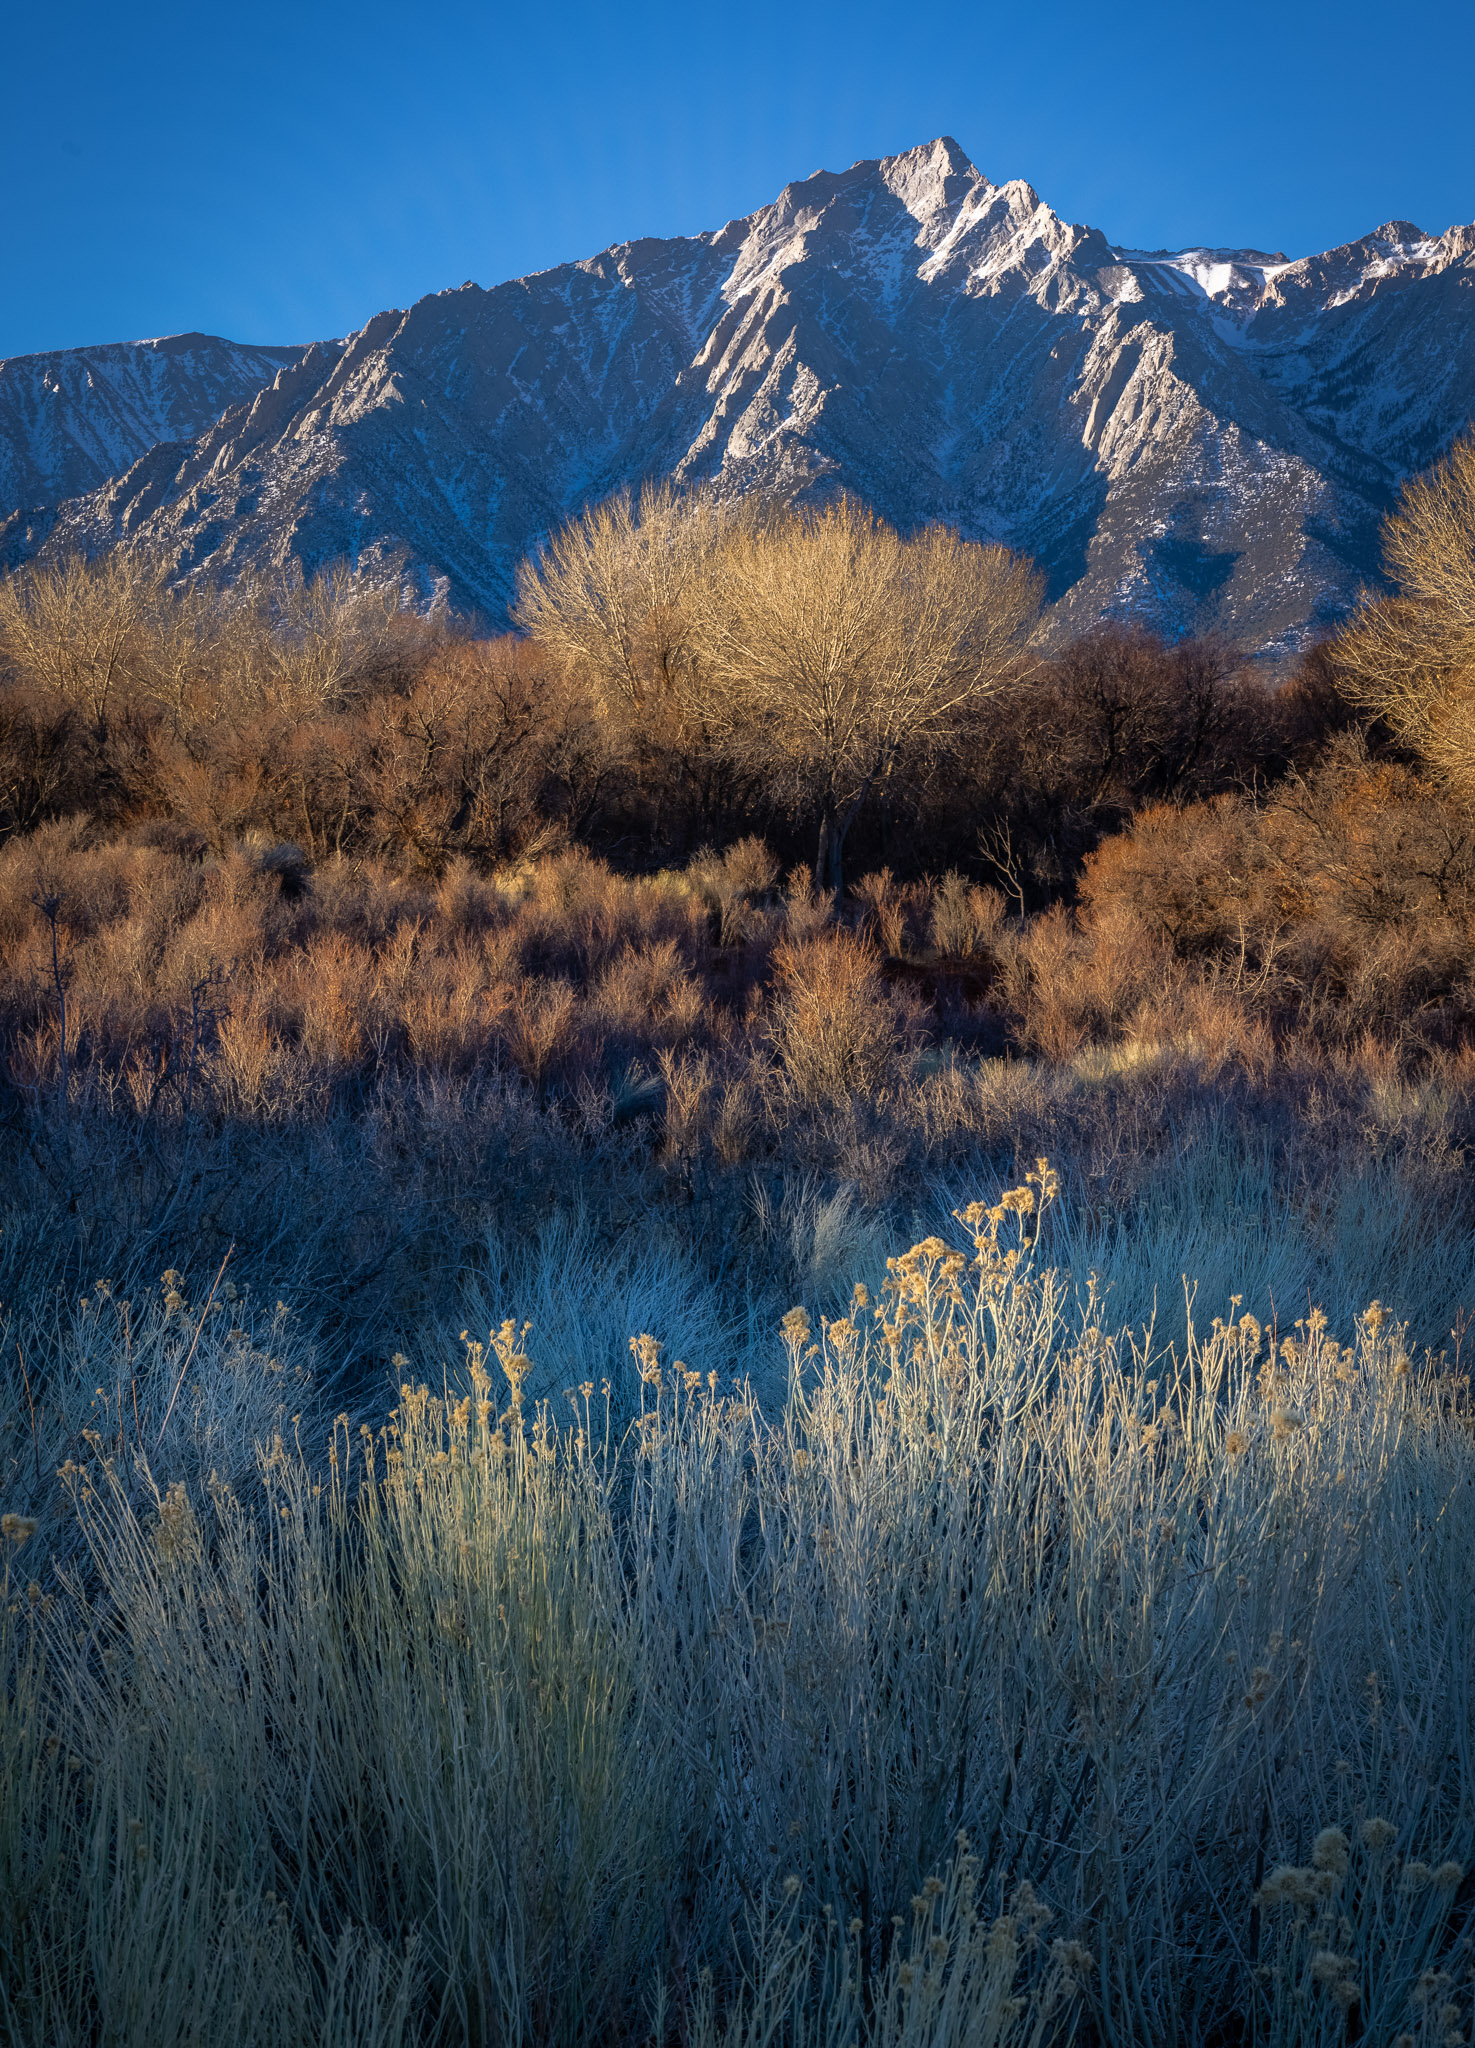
point(281, 172)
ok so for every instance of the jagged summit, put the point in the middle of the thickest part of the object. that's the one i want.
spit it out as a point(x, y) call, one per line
point(933, 179)
point(1201, 437)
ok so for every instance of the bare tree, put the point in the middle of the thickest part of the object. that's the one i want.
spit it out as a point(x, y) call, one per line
point(78, 628)
point(1410, 659)
point(330, 636)
point(611, 592)
point(834, 648)
point(468, 761)
point(811, 650)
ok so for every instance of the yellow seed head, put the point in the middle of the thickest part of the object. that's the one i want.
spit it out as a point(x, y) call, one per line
point(796, 1326)
point(1029, 1906)
point(1289, 1885)
point(177, 1529)
point(1003, 1942)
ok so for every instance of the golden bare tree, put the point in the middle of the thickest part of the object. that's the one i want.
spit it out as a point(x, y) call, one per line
point(1410, 659)
point(834, 648)
point(611, 592)
point(79, 628)
point(330, 635)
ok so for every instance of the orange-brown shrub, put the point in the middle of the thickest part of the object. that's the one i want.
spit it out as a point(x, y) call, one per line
point(836, 1028)
point(1341, 902)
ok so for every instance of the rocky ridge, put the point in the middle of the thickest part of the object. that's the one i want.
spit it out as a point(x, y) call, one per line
point(73, 418)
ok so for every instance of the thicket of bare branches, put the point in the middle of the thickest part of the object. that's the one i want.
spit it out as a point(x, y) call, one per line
point(811, 650)
point(318, 711)
point(93, 631)
point(692, 675)
point(1410, 660)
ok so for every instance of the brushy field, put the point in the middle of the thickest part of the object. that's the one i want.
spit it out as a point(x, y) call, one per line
point(1005, 1681)
point(983, 1651)
point(501, 1543)
point(1014, 1640)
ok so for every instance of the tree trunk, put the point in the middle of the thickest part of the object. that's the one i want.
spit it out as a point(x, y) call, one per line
point(827, 873)
point(834, 827)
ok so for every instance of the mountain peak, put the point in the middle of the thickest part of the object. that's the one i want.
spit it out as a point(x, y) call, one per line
point(1398, 234)
point(1200, 439)
point(935, 178)
point(71, 418)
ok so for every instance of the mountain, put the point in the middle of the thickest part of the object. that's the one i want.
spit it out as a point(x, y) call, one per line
point(1201, 438)
point(71, 419)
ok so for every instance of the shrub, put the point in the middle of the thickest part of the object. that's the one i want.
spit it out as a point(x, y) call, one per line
point(964, 918)
point(838, 1032)
point(1340, 903)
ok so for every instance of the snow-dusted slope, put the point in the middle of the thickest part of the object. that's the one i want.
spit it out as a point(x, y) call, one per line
point(72, 419)
point(1202, 438)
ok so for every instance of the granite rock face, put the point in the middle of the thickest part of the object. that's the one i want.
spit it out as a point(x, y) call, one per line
point(1201, 439)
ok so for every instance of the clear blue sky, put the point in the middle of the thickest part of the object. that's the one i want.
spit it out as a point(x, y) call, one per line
point(279, 172)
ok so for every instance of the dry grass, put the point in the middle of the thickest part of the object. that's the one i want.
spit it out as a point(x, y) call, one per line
point(500, 1724)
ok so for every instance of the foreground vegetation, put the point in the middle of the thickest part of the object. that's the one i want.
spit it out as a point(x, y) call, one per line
point(1007, 1681)
point(1060, 1630)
